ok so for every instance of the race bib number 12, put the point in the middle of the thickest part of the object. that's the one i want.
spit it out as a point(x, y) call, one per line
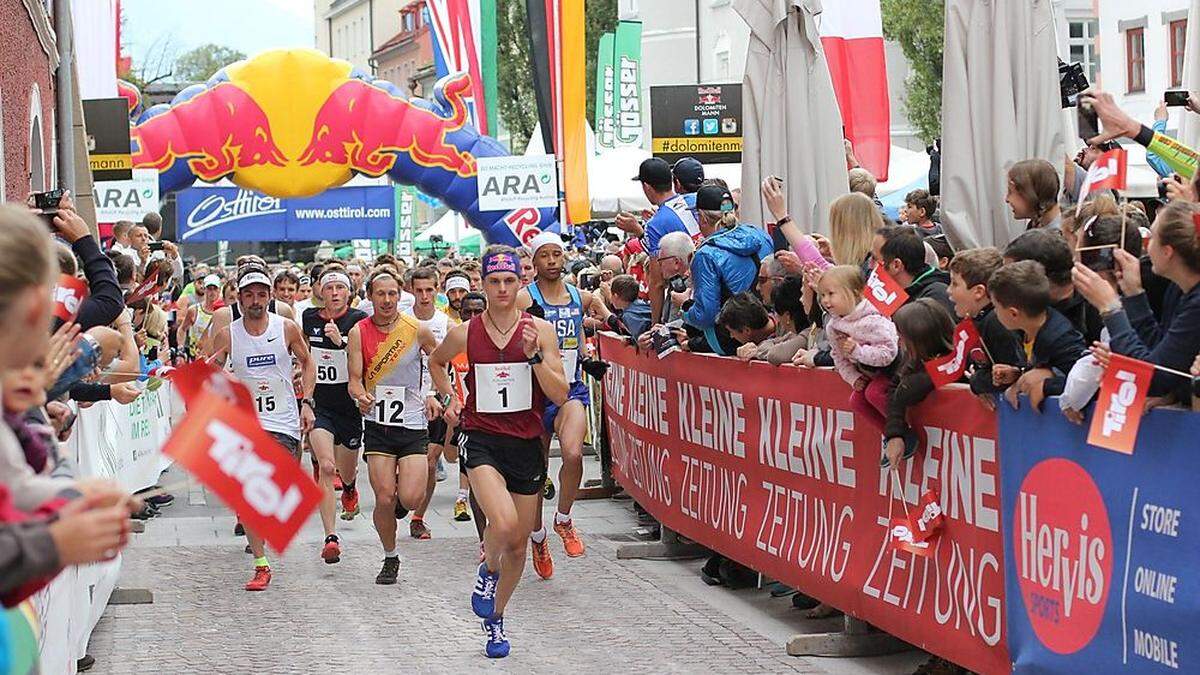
point(389, 406)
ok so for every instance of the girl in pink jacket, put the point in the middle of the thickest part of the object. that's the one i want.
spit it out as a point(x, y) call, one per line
point(863, 342)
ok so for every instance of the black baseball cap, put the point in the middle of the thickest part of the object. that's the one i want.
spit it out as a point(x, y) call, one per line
point(689, 172)
point(714, 198)
point(654, 171)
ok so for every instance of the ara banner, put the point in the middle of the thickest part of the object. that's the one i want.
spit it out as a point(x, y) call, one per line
point(1099, 545)
point(770, 466)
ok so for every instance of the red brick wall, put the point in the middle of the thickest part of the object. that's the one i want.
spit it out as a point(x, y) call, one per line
point(24, 65)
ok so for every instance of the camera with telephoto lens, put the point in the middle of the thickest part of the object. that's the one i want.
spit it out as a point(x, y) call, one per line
point(1071, 82)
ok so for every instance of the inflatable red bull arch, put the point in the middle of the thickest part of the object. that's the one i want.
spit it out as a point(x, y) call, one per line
point(294, 122)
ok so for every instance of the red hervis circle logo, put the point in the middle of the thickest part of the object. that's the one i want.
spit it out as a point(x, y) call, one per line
point(1064, 552)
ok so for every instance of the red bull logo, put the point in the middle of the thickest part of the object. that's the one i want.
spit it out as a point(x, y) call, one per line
point(350, 129)
point(217, 131)
point(294, 123)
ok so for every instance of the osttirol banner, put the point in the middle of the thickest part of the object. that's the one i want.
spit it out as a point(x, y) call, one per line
point(627, 47)
point(406, 216)
point(606, 93)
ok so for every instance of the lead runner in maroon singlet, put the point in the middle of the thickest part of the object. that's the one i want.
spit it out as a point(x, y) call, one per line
point(514, 368)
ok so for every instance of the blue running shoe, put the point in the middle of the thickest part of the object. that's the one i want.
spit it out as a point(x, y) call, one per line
point(497, 642)
point(483, 597)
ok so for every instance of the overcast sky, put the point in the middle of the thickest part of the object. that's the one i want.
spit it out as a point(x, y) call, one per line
point(249, 26)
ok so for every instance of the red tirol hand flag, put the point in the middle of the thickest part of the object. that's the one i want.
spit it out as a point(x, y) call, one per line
point(900, 536)
point(929, 517)
point(224, 447)
point(195, 378)
point(852, 39)
point(68, 295)
point(950, 368)
point(884, 292)
point(1120, 403)
point(151, 285)
point(1106, 173)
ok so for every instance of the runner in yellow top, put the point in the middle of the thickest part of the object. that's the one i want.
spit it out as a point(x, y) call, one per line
point(384, 355)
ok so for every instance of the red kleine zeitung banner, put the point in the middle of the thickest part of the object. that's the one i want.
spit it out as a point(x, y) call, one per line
point(769, 466)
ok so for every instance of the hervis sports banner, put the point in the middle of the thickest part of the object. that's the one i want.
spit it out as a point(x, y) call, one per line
point(1100, 545)
point(769, 466)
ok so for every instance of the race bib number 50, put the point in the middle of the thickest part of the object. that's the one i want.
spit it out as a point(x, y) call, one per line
point(332, 366)
point(503, 387)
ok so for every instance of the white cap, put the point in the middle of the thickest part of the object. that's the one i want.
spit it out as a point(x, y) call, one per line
point(544, 239)
point(250, 278)
point(212, 280)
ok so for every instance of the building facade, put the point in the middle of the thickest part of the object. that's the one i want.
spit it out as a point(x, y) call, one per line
point(27, 119)
point(406, 58)
point(1141, 48)
point(353, 29)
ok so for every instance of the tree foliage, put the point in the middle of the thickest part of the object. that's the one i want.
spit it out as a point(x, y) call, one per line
point(919, 27)
point(518, 100)
point(204, 61)
point(600, 18)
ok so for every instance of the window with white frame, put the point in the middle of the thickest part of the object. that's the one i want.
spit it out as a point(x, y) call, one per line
point(721, 58)
point(1081, 43)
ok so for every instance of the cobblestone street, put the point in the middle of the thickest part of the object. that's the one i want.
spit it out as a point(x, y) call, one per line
point(597, 614)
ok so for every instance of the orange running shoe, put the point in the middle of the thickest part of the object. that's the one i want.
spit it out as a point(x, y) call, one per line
point(572, 544)
point(543, 564)
point(349, 504)
point(337, 481)
point(262, 579)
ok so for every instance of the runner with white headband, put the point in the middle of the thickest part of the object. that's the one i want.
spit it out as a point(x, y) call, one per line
point(457, 286)
point(566, 308)
point(514, 368)
point(337, 432)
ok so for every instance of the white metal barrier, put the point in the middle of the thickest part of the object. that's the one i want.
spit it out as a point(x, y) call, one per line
point(115, 441)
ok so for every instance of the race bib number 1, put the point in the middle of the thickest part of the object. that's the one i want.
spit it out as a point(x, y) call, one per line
point(389, 406)
point(332, 366)
point(503, 387)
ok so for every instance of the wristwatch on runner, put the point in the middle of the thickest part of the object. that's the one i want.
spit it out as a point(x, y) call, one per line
point(309, 402)
point(535, 359)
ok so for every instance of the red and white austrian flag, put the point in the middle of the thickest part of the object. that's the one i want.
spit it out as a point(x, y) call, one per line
point(224, 447)
point(950, 368)
point(928, 518)
point(884, 292)
point(1120, 403)
point(852, 38)
point(68, 295)
point(1108, 172)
